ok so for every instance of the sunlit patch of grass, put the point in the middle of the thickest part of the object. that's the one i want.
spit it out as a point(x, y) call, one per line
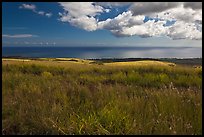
point(141, 63)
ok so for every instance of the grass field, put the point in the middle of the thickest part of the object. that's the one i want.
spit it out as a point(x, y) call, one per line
point(73, 96)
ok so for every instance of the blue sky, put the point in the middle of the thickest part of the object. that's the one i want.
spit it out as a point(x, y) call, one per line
point(99, 24)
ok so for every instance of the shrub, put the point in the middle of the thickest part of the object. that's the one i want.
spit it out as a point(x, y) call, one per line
point(47, 74)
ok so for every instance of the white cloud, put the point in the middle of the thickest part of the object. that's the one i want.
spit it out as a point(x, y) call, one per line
point(141, 8)
point(86, 8)
point(34, 9)
point(107, 10)
point(122, 20)
point(183, 30)
point(187, 17)
point(181, 13)
point(87, 23)
point(48, 15)
point(18, 36)
point(83, 18)
point(28, 6)
point(127, 25)
point(41, 12)
point(193, 5)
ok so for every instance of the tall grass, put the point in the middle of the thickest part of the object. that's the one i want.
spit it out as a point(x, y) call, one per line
point(96, 99)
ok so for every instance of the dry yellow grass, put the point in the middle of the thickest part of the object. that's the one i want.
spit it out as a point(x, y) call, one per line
point(72, 96)
point(139, 63)
point(83, 61)
point(10, 59)
point(46, 60)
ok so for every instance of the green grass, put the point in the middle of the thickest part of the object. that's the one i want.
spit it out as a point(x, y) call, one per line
point(99, 99)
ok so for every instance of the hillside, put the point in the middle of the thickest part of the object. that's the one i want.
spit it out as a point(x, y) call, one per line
point(74, 96)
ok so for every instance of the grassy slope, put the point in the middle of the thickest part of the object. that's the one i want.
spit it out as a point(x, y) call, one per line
point(76, 97)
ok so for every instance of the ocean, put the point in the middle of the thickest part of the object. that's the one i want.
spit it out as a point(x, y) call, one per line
point(103, 52)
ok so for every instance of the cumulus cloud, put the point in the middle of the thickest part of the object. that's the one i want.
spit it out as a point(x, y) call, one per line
point(183, 30)
point(186, 17)
point(34, 9)
point(83, 22)
point(126, 24)
point(124, 20)
point(141, 8)
point(181, 13)
point(83, 18)
point(86, 8)
point(193, 5)
point(18, 36)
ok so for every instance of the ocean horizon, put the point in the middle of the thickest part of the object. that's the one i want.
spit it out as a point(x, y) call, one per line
point(102, 52)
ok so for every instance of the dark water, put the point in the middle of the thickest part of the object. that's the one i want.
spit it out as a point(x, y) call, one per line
point(104, 52)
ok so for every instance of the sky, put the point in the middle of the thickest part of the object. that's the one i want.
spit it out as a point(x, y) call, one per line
point(134, 24)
